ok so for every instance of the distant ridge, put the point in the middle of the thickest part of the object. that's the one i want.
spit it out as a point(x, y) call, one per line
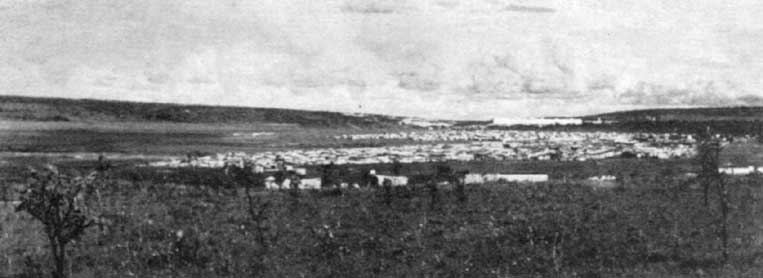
point(74, 110)
point(739, 113)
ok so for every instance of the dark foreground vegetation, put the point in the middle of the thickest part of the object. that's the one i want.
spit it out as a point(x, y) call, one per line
point(658, 228)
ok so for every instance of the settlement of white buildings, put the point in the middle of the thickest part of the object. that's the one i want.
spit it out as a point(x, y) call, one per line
point(470, 145)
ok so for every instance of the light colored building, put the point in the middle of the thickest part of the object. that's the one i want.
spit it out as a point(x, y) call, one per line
point(483, 178)
point(536, 121)
point(738, 170)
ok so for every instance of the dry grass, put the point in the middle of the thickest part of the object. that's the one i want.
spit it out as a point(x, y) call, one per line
point(503, 230)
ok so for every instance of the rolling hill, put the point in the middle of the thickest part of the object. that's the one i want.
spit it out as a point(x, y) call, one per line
point(89, 110)
point(739, 121)
point(740, 113)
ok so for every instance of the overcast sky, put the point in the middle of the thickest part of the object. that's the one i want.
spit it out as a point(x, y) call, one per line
point(469, 59)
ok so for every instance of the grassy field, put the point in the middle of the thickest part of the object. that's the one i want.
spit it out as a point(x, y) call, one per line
point(78, 144)
point(129, 169)
point(647, 229)
point(743, 154)
point(169, 138)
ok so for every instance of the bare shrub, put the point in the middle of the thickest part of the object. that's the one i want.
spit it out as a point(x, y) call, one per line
point(57, 200)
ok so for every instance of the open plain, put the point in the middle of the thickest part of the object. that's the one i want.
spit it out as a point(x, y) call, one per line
point(626, 214)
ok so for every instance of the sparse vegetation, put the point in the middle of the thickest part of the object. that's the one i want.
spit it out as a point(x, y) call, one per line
point(548, 230)
point(58, 201)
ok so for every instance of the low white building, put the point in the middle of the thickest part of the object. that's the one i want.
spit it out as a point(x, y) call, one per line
point(605, 181)
point(483, 178)
point(740, 171)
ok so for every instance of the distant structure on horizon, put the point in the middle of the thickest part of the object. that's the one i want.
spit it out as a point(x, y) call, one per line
point(536, 121)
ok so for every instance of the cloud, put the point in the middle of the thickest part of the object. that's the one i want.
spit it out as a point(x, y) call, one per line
point(697, 94)
point(416, 82)
point(750, 100)
point(438, 58)
point(529, 9)
point(375, 6)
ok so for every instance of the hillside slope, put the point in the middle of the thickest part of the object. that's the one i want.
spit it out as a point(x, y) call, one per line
point(59, 109)
point(741, 113)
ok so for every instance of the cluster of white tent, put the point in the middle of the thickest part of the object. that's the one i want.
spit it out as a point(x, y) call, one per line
point(313, 183)
point(572, 150)
point(316, 183)
point(501, 135)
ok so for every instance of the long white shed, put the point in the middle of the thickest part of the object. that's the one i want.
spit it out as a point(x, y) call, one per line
point(483, 178)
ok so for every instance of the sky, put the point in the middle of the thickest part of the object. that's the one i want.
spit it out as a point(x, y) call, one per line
point(445, 59)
